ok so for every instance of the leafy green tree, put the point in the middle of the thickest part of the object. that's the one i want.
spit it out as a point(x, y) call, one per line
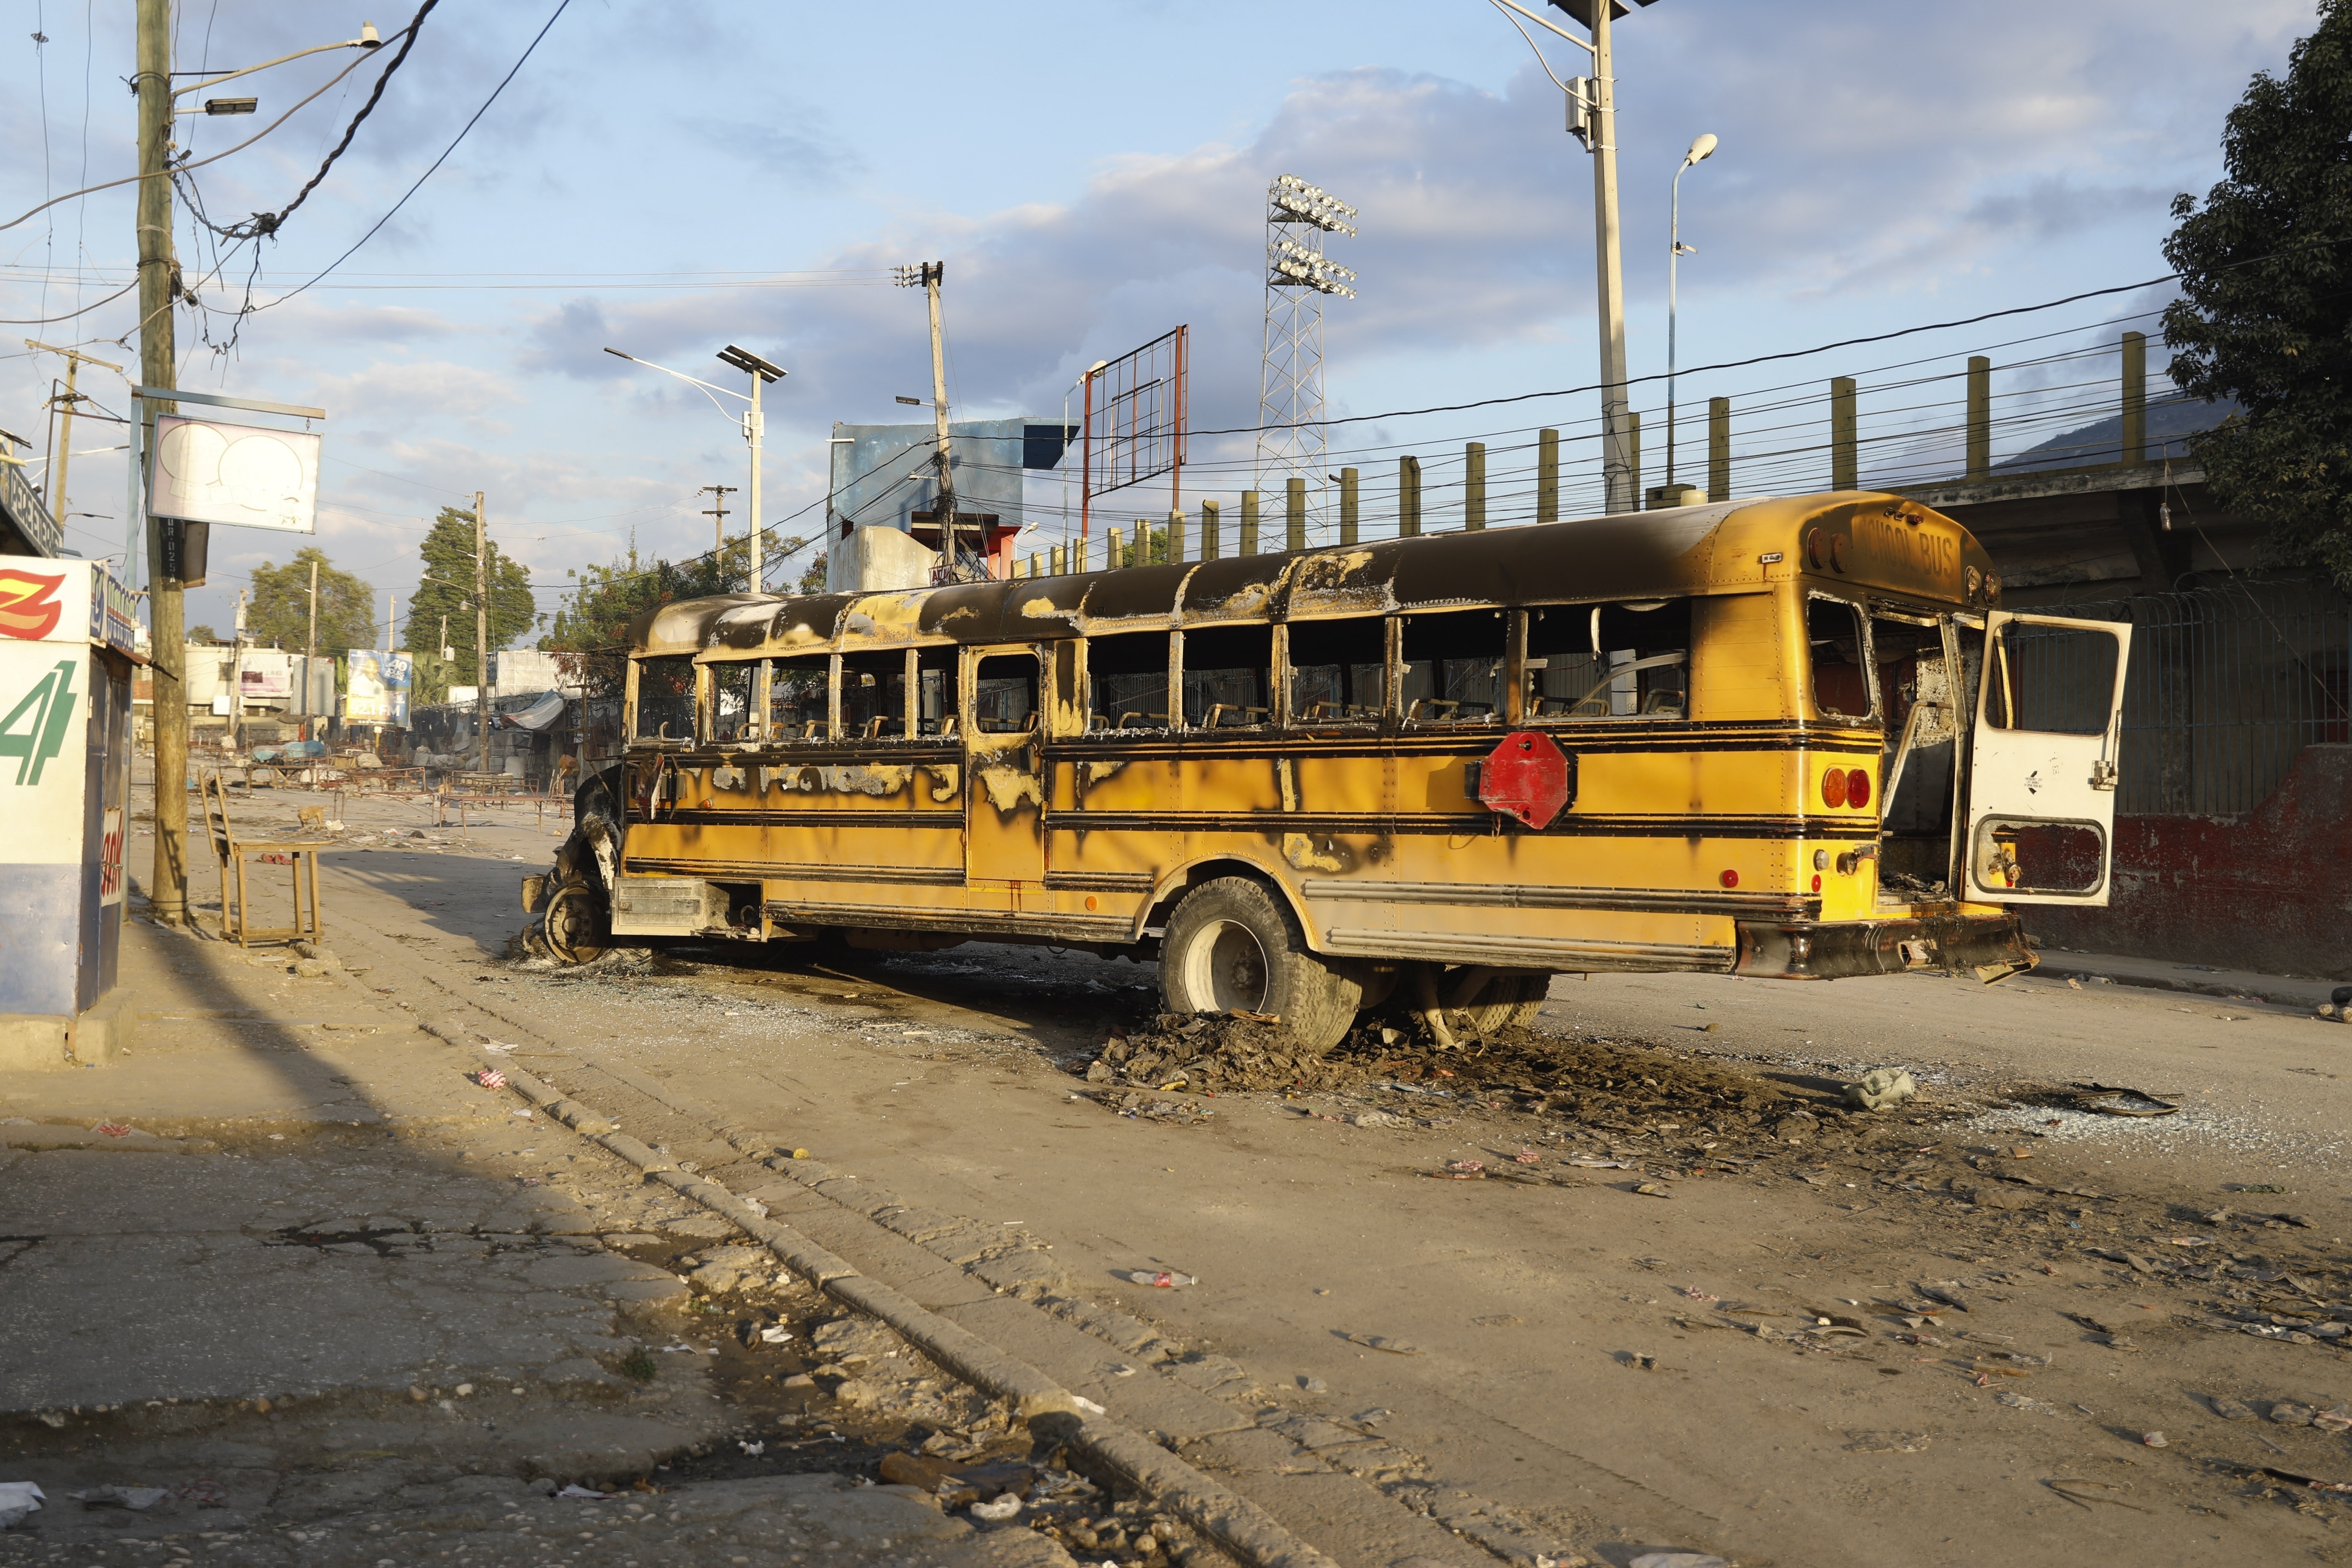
point(203, 636)
point(593, 630)
point(446, 588)
point(2265, 312)
point(280, 612)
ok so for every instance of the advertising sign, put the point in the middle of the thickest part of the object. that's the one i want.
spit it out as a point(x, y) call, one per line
point(375, 687)
point(246, 475)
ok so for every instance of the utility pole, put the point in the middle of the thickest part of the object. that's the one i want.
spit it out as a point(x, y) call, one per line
point(167, 888)
point(931, 274)
point(61, 454)
point(934, 274)
point(237, 673)
point(481, 639)
point(1616, 454)
point(719, 494)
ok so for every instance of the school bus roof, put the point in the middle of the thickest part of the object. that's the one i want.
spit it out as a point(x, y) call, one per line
point(1865, 539)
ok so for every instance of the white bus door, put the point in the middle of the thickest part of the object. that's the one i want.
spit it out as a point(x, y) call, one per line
point(2045, 763)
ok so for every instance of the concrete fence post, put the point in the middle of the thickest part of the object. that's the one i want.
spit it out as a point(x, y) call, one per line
point(1348, 515)
point(1249, 523)
point(1845, 472)
point(1408, 497)
point(1980, 423)
point(1294, 514)
point(1175, 536)
point(1209, 510)
point(1474, 486)
point(1719, 449)
point(1547, 475)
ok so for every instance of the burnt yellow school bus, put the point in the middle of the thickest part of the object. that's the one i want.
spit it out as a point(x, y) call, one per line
point(1791, 738)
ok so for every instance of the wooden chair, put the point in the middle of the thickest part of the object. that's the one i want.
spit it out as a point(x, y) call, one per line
point(301, 854)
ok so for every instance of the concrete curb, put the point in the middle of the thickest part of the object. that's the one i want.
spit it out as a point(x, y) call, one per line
point(1232, 1520)
point(2068, 968)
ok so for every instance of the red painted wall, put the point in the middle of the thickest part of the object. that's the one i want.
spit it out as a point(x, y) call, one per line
point(2270, 890)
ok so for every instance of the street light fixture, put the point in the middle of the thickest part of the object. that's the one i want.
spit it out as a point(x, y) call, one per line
point(1700, 151)
point(752, 423)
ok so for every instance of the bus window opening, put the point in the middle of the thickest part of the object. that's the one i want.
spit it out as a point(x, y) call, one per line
point(1609, 661)
point(731, 689)
point(936, 687)
point(1841, 680)
point(1128, 676)
point(874, 696)
point(664, 700)
point(1335, 669)
point(1004, 694)
point(796, 698)
point(1452, 668)
point(1227, 670)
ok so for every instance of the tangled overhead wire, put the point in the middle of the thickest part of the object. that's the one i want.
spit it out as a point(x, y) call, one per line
point(262, 225)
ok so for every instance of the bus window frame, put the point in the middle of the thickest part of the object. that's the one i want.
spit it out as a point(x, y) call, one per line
point(1496, 718)
point(1518, 690)
point(1286, 672)
point(633, 686)
point(1084, 714)
point(1180, 666)
point(706, 702)
point(1809, 692)
point(768, 735)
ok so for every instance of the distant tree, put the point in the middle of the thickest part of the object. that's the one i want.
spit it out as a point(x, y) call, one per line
point(204, 636)
point(590, 634)
point(2265, 312)
point(280, 612)
point(446, 588)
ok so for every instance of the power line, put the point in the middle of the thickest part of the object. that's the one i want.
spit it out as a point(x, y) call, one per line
point(562, 6)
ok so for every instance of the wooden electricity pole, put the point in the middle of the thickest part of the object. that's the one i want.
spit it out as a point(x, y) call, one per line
point(167, 887)
point(481, 639)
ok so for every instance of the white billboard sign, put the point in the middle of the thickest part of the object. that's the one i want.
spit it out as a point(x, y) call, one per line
point(243, 475)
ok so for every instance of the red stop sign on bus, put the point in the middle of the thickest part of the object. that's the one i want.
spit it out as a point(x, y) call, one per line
point(1527, 779)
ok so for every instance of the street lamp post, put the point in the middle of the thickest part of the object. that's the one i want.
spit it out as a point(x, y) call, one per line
point(751, 422)
point(1700, 151)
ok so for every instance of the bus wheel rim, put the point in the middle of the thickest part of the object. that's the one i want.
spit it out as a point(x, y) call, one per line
point(1226, 969)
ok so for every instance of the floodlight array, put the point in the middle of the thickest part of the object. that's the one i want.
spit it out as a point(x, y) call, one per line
point(1295, 264)
point(1296, 200)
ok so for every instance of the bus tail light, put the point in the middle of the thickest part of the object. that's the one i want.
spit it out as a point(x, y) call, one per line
point(1857, 788)
point(1834, 786)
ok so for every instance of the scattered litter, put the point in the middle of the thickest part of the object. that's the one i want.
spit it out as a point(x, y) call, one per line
point(1652, 1189)
point(1466, 1167)
point(501, 1045)
point(1642, 1362)
point(2016, 1401)
point(1678, 1560)
point(1382, 1342)
point(1528, 1157)
point(2230, 1410)
point(524, 1114)
point(2084, 1494)
point(2153, 1439)
point(2110, 1100)
point(18, 1499)
point(1595, 1163)
point(753, 1449)
point(111, 1130)
point(997, 1511)
point(1881, 1088)
point(1162, 1278)
point(2338, 1420)
point(775, 1336)
point(489, 1078)
point(575, 1489)
point(2293, 1479)
point(1695, 1293)
point(136, 1499)
point(2287, 1413)
point(1887, 1442)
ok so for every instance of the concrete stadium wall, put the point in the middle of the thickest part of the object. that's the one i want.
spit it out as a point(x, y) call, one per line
point(2270, 891)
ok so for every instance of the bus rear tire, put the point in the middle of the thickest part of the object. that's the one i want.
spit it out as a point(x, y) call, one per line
point(1232, 947)
point(1509, 1000)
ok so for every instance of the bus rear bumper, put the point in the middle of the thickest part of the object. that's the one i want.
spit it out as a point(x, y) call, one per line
point(1987, 946)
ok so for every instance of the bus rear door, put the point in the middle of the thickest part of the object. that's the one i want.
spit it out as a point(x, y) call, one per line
point(2046, 762)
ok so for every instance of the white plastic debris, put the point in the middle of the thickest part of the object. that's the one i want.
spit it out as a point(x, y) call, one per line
point(775, 1335)
point(575, 1489)
point(18, 1499)
point(998, 1510)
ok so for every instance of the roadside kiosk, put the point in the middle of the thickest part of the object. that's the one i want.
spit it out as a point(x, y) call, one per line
point(69, 639)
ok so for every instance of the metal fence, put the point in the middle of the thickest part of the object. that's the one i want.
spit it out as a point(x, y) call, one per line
point(2226, 687)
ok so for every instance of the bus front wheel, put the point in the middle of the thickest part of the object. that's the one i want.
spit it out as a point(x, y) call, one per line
point(1232, 947)
point(577, 930)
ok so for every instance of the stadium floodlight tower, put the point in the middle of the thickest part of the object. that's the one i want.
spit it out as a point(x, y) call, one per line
point(1297, 277)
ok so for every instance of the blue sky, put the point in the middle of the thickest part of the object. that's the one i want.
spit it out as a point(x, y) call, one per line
point(1093, 175)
